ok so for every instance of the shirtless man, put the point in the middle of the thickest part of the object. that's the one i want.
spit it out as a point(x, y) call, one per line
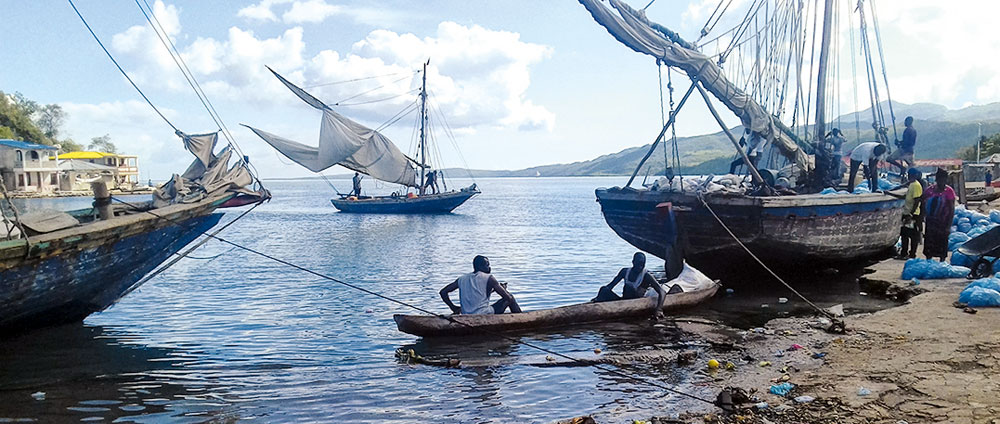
point(474, 291)
point(637, 281)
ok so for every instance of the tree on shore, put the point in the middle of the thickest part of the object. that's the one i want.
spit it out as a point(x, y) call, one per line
point(102, 144)
point(987, 145)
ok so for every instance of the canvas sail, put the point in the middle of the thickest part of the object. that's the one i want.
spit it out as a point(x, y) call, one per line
point(633, 29)
point(346, 143)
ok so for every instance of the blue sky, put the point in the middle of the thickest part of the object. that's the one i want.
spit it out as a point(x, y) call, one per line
point(521, 83)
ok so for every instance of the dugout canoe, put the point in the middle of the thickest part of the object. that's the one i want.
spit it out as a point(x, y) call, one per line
point(433, 326)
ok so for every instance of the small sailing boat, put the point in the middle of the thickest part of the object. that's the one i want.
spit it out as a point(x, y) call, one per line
point(784, 228)
point(358, 148)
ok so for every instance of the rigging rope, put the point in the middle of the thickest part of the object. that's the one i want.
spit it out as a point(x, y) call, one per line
point(428, 312)
point(155, 109)
point(773, 274)
point(369, 91)
point(379, 100)
point(359, 79)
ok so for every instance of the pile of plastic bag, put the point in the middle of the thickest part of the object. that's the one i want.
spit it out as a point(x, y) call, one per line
point(862, 188)
point(981, 293)
point(927, 269)
point(965, 226)
point(704, 184)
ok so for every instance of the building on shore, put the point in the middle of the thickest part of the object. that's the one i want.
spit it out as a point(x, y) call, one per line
point(28, 167)
point(127, 175)
point(76, 175)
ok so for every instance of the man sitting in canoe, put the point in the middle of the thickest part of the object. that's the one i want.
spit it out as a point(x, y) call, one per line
point(637, 282)
point(474, 291)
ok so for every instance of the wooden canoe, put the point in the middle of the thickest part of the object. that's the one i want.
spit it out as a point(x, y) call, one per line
point(427, 326)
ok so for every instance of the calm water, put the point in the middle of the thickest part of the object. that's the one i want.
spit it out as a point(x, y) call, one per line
point(241, 338)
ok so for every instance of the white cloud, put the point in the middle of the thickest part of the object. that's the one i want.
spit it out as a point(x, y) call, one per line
point(309, 11)
point(478, 77)
point(300, 11)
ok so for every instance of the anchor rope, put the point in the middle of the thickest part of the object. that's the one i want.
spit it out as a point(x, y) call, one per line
point(428, 312)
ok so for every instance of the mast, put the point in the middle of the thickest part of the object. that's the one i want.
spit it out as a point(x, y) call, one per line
point(824, 56)
point(423, 121)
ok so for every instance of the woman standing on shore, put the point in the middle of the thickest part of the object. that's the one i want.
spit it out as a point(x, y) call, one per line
point(939, 209)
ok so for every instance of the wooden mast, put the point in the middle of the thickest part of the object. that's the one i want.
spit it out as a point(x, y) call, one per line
point(423, 121)
point(824, 55)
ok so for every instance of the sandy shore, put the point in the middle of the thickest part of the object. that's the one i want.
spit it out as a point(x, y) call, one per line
point(923, 361)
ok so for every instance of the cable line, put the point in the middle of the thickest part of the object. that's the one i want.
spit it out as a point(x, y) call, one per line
point(428, 312)
point(357, 79)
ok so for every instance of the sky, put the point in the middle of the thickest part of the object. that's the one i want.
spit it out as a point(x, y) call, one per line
point(518, 83)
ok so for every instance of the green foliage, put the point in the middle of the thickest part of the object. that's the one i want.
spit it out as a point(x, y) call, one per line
point(68, 145)
point(102, 144)
point(6, 133)
point(16, 114)
point(50, 119)
point(988, 146)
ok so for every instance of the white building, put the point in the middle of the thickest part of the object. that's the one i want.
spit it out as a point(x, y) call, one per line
point(27, 166)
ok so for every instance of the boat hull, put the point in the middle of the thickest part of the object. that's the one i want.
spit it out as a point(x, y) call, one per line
point(426, 204)
point(63, 277)
point(432, 326)
point(784, 231)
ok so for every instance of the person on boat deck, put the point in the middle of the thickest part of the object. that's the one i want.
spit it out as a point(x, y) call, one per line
point(939, 210)
point(637, 282)
point(904, 154)
point(431, 182)
point(474, 291)
point(866, 155)
point(357, 184)
point(912, 222)
point(989, 178)
point(835, 143)
point(754, 150)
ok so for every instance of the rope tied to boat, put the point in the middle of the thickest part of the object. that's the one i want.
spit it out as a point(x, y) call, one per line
point(837, 326)
point(449, 318)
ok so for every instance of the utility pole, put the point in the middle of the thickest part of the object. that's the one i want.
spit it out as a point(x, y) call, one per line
point(979, 144)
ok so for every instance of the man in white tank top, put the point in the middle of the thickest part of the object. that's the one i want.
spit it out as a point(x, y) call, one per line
point(474, 291)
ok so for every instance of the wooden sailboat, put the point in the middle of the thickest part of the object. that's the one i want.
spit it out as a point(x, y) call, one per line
point(351, 145)
point(796, 230)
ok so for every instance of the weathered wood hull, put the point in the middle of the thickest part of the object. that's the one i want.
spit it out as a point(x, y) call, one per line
point(784, 231)
point(426, 204)
point(431, 326)
point(64, 276)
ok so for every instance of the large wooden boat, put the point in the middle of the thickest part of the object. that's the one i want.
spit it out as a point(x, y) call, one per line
point(784, 231)
point(583, 313)
point(366, 151)
point(428, 203)
point(787, 225)
point(66, 275)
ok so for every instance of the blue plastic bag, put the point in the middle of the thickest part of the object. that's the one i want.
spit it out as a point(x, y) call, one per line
point(995, 216)
point(927, 269)
point(957, 239)
point(979, 297)
point(959, 259)
point(861, 190)
point(782, 389)
point(828, 190)
point(964, 227)
point(992, 283)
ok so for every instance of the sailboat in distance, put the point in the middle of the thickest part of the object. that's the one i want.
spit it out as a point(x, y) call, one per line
point(358, 148)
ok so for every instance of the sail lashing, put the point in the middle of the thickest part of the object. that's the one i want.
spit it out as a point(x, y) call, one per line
point(630, 27)
point(343, 142)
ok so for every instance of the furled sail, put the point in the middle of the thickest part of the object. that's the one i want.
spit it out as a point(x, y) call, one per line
point(346, 143)
point(638, 33)
point(208, 175)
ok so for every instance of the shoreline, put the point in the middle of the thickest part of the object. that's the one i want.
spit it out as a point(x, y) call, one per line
point(921, 361)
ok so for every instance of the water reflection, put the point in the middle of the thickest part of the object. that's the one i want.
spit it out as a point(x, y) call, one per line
point(79, 372)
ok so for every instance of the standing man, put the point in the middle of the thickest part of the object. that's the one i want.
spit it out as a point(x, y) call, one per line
point(755, 147)
point(357, 184)
point(939, 211)
point(905, 152)
point(867, 155)
point(989, 177)
point(474, 291)
point(912, 220)
point(836, 142)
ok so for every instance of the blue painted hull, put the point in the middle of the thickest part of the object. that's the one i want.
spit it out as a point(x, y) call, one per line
point(65, 280)
point(785, 231)
point(426, 204)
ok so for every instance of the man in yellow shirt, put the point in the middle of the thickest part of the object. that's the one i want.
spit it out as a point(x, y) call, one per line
point(912, 220)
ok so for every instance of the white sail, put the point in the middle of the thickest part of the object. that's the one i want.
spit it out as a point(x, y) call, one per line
point(346, 143)
point(638, 33)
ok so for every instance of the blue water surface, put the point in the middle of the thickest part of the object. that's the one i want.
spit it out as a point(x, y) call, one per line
point(240, 337)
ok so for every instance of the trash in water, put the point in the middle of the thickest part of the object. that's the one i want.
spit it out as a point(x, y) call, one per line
point(819, 355)
point(759, 330)
point(836, 310)
point(779, 353)
point(550, 358)
point(764, 363)
point(730, 291)
point(369, 311)
point(597, 350)
point(730, 366)
point(782, 300)
point(782, 389)
point(863, 391)
point(863, 293)
point(764, 305)
point(713, 364)
point(38, 395)
point(795, 346)
point(804, 399)
point(761, 405)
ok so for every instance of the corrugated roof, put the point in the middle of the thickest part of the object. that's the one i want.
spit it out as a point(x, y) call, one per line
point(79, 165)
point(17, 144)
point(84, 155)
